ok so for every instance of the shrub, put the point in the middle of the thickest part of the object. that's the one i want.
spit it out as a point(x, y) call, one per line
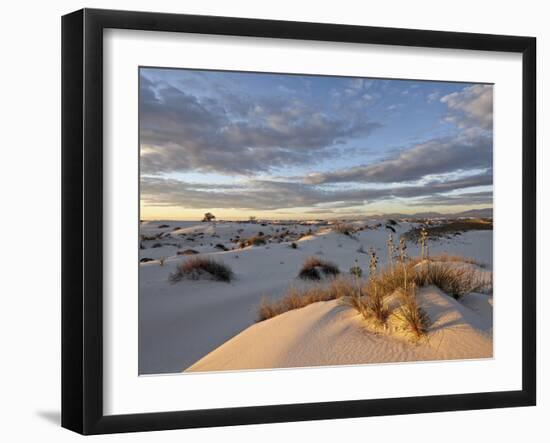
point(293, 245)
point(187, 252)
point(409, 315)
point(157, 245)
point(150, 237)
point(257, 240)
point(343, 228)
point(295, 298)
point(265, 310)
point(220, 246)
point(451, 258)
point(377, 308)
point(369, 301)
point(454, 280)
point(449, 275)
point(314, 269)
point(356, 302)
point(208, 217)
point(195, 268)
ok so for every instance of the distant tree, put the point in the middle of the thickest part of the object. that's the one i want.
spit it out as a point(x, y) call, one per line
point(208, 217)
point(252, 219)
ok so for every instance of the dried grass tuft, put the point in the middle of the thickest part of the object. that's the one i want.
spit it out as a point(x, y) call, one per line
point(196, 268)
point(314, 269)
point(299, 298)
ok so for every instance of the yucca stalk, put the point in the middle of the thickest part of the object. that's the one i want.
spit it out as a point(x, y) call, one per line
point(424, 243)
point(356, 278)
point(403, 258)
point(391, 250)
point(356, 300)
point(373, 264)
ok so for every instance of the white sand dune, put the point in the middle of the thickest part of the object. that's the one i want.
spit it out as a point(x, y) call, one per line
point(181, 323)
point(331, 333)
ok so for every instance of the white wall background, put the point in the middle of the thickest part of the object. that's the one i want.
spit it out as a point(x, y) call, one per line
point(30, 217)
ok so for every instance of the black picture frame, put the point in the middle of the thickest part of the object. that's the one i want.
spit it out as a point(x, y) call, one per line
point(82, 219)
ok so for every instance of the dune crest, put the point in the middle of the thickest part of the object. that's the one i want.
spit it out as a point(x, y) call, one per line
point(331, 333)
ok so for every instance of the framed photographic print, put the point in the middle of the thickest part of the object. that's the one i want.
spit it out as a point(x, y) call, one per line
point(269, 221)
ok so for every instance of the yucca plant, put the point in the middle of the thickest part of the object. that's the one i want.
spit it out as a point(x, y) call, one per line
point(413, 318)
point(356, 302)
point(376, 307)
point(355, 270)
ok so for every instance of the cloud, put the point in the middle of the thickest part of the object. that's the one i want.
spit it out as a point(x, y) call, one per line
point(471, 107)
point(436, 156)
point(433, 97)
point(236, 135)
point(473, 198)
point(273, 195)
point(395, 106)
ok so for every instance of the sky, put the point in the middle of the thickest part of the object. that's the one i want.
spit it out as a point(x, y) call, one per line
point(283, 146)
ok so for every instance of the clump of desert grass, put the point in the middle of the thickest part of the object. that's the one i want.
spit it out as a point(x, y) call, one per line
point(371, 304)
point(367, 299)
point(187, 252)
point(409, 316)
point(455, 277)
point(315, 269)
point(343, 228)
point(257, 240)
point(199, 267)
point(456, 281)
point(449, 258)
point(298, 298)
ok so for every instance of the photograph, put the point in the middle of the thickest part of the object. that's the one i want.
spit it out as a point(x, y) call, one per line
point(266, 222)
point(293, 221)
